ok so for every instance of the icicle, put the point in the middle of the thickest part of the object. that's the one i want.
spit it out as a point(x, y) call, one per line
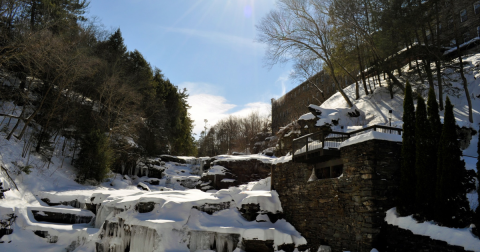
point(313, 177)
point(201, 240)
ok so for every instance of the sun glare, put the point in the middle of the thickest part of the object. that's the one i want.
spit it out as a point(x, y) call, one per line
point(247, 11)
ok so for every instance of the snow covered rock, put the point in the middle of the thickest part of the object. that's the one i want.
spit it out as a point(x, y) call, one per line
point(61, 215)
point(234, 171)
point(144, 187)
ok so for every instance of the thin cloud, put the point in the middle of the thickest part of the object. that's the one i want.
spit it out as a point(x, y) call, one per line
point(217, 37)
point(283, 80)
point(264, 109)
point(205, 103)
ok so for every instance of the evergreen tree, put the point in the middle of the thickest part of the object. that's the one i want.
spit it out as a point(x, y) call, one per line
point(422, 147)
point(95, 157)
point(435, 133)
point(450, 194)
point(56, 15)
point(407, 179)
point(477, 212)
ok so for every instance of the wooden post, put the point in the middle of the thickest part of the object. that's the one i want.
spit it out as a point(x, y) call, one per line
point(306, 148)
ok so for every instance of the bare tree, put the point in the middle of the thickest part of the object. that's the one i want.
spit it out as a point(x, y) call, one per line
point(308, 70)
point(299, 29)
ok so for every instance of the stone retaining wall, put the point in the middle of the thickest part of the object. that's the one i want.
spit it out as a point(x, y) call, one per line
point(345, 213)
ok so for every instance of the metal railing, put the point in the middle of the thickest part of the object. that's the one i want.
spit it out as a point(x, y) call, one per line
point(332, 139)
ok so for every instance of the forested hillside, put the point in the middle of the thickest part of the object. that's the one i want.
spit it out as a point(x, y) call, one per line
point(69, 76)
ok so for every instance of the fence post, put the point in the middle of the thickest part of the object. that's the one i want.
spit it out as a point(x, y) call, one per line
point(306, 148)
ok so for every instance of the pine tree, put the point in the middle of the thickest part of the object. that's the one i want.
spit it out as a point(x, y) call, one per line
point(450, 195)
point(95, 157)
point(433, 116)
point(435, 133)
point(407, 179)
point(422, 147)
point(477, 212)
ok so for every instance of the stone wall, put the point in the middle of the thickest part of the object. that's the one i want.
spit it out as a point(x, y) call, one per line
point(295, 103)
point(345, 213)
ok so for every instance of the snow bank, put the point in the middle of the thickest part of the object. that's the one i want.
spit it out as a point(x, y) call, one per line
point(259, 157)
point(453, 236)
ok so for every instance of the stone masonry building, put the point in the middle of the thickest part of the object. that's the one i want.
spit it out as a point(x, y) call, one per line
point(295, 103)
point(461, 19)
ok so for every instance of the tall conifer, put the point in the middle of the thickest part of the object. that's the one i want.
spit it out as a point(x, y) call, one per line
point(435, 133)
point(451, 201)
point(422, 146)
point(477, 212)
point(407, 179)
point(433, 116)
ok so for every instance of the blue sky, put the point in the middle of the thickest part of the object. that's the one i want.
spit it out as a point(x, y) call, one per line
point(206, 46)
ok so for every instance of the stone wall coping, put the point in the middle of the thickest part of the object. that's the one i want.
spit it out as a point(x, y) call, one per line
point(372, 135)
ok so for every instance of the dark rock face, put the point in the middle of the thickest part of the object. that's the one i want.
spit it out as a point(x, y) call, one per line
point(153, 173)
point(212, 208)
point(74, 203)
point(243, 171)
point(258, 246)
point(250, 211)
point(144, 207)
point(2, 190)
point(6, 224)
point(168, 158)
point(143, 187)
point(47, 236)
point(5, 231)
point(153, 182)
point(395, 239)
point(345, 213)
point(66, 218)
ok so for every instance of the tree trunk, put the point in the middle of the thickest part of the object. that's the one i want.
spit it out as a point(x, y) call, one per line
point(362, 73)
point(32, 15)
point(395, 81)
point(378, 78)
point(18, 122)
point(465, 86)
point(332, 71)
point(357, 91)
point(428, 70)
point(438, 65)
